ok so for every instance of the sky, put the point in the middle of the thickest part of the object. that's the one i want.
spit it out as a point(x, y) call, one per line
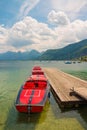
point(41, 24)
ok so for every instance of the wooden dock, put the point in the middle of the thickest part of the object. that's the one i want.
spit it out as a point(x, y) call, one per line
point(67, 89)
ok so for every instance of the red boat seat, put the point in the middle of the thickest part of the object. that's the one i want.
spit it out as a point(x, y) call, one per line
point(37, 73)
point(42, 85)
point(36, 68)
point(28, 85)
point(31, 85)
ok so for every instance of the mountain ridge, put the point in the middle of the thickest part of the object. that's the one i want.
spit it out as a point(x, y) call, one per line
point(72, 51)
point(32, 55)
point(69, 52)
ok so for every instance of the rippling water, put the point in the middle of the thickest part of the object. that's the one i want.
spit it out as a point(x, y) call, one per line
point(12, 76)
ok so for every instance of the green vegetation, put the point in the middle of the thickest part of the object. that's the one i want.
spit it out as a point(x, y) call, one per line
point(79, 74)
point(83, 58)
point(72, 51)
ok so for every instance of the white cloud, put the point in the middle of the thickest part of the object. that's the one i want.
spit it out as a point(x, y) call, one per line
point(3, 35)
point(30, 34)
point(80, 28)
point(71, 33)
point(71, 7)
point(58, 18)
point(26, 7)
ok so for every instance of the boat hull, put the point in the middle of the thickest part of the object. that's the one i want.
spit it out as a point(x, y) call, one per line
point(29, 109)
point(26, 103)
point(33, 94)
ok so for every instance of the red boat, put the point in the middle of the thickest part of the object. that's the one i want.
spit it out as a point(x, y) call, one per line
point(33, 94)
point(37, 72)
point(37, 68)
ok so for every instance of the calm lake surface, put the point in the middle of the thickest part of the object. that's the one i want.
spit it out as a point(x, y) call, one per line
point(12, 76)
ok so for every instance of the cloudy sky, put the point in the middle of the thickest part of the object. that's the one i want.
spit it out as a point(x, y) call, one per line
point(41, 24)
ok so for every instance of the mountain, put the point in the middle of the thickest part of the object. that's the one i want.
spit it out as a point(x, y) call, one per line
point(72, 51)
point(32, 55)
point(69, 52)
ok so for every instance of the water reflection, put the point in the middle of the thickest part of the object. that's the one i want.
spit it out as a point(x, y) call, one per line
point(16, 120)
point(80, 113)
point(25, 118)
point(83, 114)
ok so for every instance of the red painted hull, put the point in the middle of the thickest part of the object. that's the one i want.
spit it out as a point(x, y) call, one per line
point(33, 95)
point(33, 109)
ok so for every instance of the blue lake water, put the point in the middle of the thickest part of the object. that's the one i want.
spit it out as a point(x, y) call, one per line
point(12, 76)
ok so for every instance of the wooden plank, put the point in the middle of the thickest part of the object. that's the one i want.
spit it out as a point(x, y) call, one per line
point(62, 83)
point(82, 92)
